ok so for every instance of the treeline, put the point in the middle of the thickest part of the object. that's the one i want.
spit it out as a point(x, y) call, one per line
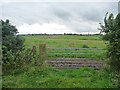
point(58, 34)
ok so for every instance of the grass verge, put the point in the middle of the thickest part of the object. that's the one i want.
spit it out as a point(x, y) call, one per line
point(48, 77)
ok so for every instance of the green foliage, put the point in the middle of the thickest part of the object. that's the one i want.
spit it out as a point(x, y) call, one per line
point(15, 56)
point(10, 41)
point(112, 34)
point(85, 46)
point(7, 29)
point(18, 61)
point(111, 31)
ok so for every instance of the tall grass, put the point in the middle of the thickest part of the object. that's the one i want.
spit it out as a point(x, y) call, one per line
point(48, 77)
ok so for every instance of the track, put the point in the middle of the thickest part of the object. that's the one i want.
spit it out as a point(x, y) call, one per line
point(74, 63)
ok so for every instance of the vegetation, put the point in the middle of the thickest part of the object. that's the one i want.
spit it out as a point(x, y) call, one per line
point(48, 77)
point(15, 56)
point(18, 61)
point(112, 35)
point(10, 42)
point(85, 46)
point(20, 70)
point(69, 41)
point(65, 41)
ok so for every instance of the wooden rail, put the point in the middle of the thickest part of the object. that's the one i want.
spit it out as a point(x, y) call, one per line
point(76, 48)
point(71, 53)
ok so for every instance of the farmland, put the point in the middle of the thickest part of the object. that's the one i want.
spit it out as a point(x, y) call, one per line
point(65, 41)
point(69, 41)
point(50, 77)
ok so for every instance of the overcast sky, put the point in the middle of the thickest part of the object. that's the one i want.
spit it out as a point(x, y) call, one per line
point(57, 17)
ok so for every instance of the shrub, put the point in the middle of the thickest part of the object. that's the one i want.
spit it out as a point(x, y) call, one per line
point(85, 46)
point(10, 41)
point(111, 31)
point(18, 61)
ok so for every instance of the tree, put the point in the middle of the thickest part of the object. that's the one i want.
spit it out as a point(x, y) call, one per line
point(111, 30)
point(10, 41)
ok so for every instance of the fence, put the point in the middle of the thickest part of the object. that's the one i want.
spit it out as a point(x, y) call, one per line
point(46, 53)
point(42, 54)
point(76, 52)
point(73, 62)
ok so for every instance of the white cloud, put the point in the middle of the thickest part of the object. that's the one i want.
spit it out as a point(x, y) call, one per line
point(55, 28)
point(49, 28)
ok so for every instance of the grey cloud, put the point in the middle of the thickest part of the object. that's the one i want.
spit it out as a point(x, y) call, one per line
point(62, 14)
point(119, 6)
point(71, 14)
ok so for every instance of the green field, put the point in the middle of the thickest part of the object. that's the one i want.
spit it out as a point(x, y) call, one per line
point(69, 41)
point(65, 41)
point(49, 77)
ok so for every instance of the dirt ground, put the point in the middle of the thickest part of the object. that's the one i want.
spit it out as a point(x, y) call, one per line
point(74, 63)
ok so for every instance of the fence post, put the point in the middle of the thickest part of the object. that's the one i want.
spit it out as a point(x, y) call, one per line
point(42, 54)
point(34, 52)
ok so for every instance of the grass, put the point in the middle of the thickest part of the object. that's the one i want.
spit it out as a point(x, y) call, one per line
point(96, 54)
point(69, 41)
point(64, 41)
point(48, 77)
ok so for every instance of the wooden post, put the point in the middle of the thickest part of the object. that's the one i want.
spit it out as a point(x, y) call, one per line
point(34, 52)
point(42, 54)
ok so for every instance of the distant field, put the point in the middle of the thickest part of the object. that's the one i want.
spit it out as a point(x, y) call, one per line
point(62, 41)
point(69, 41)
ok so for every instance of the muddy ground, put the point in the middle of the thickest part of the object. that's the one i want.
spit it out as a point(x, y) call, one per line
point(75, 63)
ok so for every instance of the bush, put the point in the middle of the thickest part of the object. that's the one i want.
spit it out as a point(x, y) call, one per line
point(18, 61)
point(112, 34)
point(85, 46)
point(10, 41)
point(111, 31)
